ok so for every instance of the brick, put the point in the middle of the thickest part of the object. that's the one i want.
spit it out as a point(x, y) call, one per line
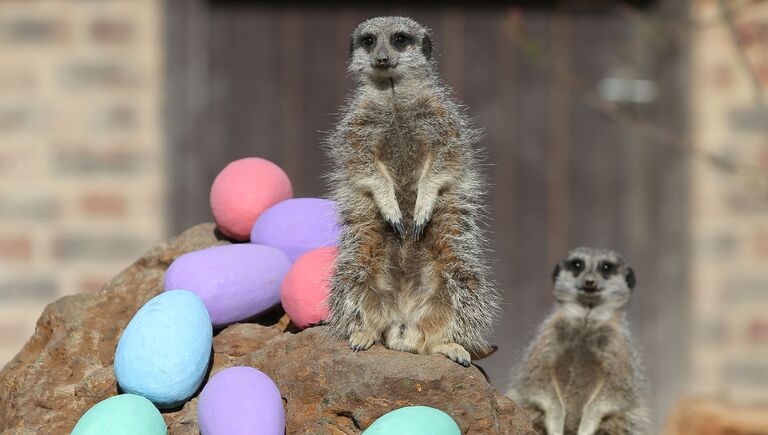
point(760, 244)
point(718, 245)
point(710, 332)
point(746, 374)
point(117, 118)
point(103, 204)
point(28, 208)
point(748, 119)
point(31, 29)
point(752, 33)
point(19, 116)
point(74, 247)
point(17, 78)
point(96, 73)
point(15, 248)
point(28, 289)
point(81, 161)
point(746, 290)
point(109, 30)
point(757, 331)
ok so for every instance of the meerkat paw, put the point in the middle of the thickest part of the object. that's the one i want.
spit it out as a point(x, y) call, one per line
point(390, 211)
point(420, 221)
point(361, 340)
point(454, 352)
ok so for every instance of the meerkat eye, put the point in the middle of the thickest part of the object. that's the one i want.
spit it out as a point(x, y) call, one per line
point(400, 40)
point(577, 265)
point(367, 41)
point(607, 268)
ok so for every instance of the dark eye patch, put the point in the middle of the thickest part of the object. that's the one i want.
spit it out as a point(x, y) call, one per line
point(575, 266)
point(606, 269)
point(367, 41)
point(401, 40)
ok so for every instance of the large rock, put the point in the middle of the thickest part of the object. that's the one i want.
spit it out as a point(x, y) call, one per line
point(66, 367)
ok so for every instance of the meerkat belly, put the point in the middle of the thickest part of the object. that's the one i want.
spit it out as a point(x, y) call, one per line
point(578, 372)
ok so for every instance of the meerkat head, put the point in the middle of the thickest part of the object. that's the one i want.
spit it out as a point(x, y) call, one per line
point(388, 49)
point(593, 277)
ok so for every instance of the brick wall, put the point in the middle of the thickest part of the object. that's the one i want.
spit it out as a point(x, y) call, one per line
point(81, 151)
point(729, 250)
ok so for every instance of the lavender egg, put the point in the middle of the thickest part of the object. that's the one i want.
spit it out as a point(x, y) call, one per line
point(241, 401)
point(297, 226)
point(235, 282)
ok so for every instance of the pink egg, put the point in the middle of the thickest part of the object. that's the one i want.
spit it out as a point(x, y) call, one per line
point(306, 285)
point(243, 190)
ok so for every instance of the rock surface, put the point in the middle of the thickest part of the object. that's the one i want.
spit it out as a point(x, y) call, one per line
point(711, 416)
point(66, 367)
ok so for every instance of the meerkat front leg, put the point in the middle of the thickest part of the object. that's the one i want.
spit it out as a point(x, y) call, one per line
point(382, 187)
point(553, 409)
point(429, 187)
point(596, 408)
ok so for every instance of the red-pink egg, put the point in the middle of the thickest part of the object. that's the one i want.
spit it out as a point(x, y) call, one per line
point(306, 285)
point(243, 190)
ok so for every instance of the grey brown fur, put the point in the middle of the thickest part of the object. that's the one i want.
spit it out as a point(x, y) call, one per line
point(582, 374)
point(411, 272)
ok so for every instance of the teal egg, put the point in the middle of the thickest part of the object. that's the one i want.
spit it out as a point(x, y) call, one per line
point(414, 420)
point(126, 414)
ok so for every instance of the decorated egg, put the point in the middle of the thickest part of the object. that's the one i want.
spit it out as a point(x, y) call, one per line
point(241, 401)
point(306, 286)
point(126, 414)
point(243, 190)
point(414, 420)
point(298, 225)
point(164, 351)
point(235, 282)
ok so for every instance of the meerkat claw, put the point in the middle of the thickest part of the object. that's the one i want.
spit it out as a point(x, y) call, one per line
point(418, 230)
point(360, 341)
point(398, 227)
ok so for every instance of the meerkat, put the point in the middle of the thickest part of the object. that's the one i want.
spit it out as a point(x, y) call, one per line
point(582, 374)
point(411, 271)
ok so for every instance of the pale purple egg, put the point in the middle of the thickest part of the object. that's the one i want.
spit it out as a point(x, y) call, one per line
point(235, 282)
point(241, 401)
point(297, 226)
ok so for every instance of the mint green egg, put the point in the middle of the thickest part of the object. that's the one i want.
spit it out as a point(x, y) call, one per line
point(414, 420)
point(126, 414)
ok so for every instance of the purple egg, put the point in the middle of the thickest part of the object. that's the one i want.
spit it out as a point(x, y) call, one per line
point(235, 282)
point(241, 401)
point(297, 226)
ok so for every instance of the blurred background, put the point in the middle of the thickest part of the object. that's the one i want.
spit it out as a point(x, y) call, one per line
point(637, 125)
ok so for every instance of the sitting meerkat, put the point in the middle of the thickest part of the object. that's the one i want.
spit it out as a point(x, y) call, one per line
point(412, 270)
point(581, 374)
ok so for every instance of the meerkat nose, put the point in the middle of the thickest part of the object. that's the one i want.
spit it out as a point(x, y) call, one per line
point(590, 284)
point(382, 60)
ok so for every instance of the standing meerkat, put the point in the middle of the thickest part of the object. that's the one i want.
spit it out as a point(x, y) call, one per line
point(582, 374)
point(411, 272)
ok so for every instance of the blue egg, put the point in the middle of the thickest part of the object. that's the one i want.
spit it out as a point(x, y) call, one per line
point(414, 420)
point(164, 351)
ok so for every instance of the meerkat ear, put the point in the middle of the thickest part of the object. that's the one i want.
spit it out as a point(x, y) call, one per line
point(426, 46)
point(351, 45)
point(556, 272)
point(630, 277)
